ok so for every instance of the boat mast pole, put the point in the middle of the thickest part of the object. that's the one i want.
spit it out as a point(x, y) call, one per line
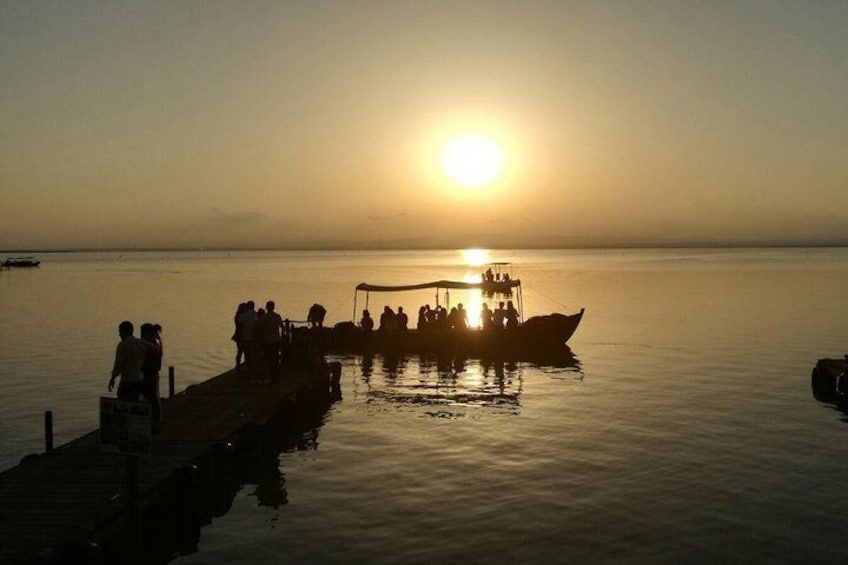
point(355, 295)
point(520, 305)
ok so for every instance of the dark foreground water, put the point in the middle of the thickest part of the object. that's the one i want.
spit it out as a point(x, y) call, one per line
point(686, 430)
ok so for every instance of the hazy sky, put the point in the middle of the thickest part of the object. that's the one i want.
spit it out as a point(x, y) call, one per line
point(298, 123)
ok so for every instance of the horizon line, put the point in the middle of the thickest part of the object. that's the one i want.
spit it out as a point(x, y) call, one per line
point(682, 245)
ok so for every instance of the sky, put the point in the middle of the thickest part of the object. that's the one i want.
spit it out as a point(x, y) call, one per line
point(315, 124)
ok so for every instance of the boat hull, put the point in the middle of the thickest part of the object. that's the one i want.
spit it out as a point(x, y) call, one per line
point(830, 380)
point(538, 338)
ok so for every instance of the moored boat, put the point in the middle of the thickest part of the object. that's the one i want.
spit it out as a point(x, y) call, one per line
point(538, 337)
point(20, 262)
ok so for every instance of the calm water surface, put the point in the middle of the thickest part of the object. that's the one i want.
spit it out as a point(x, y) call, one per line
point(685, 431)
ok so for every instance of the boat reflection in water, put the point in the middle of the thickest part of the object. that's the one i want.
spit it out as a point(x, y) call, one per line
point(442, 385)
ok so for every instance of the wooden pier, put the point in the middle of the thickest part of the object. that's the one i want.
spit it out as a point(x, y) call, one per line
point(74, 504)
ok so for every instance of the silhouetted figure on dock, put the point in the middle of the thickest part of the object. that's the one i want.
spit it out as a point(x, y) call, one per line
point(247, 321)
point(315, 317)
point(150, 369)
point(129, 358)
point(237, 334)
point(269, 331)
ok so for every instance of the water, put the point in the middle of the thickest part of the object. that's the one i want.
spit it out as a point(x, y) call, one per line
point(685, 432)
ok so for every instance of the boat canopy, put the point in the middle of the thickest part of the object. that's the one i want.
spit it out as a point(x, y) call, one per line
point(503, 286)
point(443, 284)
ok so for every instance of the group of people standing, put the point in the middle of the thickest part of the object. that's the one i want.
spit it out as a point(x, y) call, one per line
point(502, 316)
point(259, 338)
point(138, 361)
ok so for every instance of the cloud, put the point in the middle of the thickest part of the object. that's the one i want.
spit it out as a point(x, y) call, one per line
point(236, 219)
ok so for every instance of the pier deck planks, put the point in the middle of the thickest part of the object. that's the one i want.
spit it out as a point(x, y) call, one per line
point(68, 495)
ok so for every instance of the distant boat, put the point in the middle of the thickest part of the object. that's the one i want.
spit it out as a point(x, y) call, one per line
point(20, 262)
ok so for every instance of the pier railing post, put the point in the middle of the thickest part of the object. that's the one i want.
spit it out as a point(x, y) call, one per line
point(171, 381)
point(48, 431)
point(133, 502)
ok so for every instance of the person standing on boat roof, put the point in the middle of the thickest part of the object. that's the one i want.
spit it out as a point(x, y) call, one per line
point(129, 358)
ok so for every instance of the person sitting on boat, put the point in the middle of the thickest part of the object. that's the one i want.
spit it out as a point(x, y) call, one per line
point(423, 323)
point(489, 276)
point(388, 320)
point(432, 317)
point(506, 277)
point(511, 315)
point(499, 316)
point(461, 322)
point(402, 319)
point(441, 321)
point(487, 322)
point(452, 321)
point(315, 317)
point(367, 322)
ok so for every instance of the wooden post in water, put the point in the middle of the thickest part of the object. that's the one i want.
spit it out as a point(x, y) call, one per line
point(171, 380)
point(48, 431)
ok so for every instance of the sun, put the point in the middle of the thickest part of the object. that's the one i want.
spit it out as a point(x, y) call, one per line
point(472, 161)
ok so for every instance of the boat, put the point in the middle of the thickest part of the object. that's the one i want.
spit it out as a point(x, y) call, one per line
point(830, 380)
point(537, 338)
point(497, 279)
point(20, 262)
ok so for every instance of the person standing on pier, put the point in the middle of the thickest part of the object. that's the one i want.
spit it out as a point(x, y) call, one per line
point(129, 358)
point(269, 328)
point(150, 369)
point(247, 322)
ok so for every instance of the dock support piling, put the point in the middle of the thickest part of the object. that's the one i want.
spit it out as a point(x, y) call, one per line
point(48, 431)
point(171, 381)
point(133, 502)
